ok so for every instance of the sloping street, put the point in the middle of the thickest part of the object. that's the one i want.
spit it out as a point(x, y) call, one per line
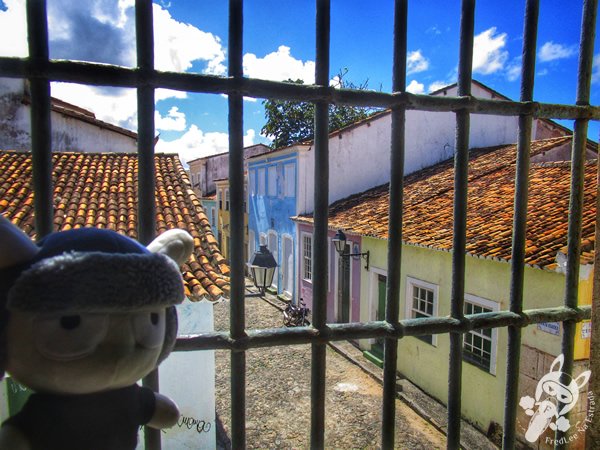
point(278, 395)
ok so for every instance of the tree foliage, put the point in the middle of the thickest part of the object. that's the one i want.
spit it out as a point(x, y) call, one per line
point(289, 122)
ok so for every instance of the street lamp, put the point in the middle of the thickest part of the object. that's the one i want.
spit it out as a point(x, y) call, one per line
point(262, 268)
point(339, 241)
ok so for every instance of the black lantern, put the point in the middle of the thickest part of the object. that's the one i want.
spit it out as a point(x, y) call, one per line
point(262, 268)
point(339, 241)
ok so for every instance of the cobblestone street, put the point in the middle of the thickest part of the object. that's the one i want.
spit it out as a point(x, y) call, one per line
point(278, 395)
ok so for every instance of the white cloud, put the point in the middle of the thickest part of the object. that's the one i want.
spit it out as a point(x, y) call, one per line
point(596, 69)
point(173, 121)
point(178, 45)
point(279, 66)
point(437, 85)
point(488, 53)
point(433, 30)
point(113, 105)
point(513, 70)
point(415, 87)
point(13, 29)
point(77, 28)
point(551, 51)
point(195, 143)
point(416, 62)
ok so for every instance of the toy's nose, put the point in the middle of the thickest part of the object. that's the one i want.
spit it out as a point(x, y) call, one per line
point(120, 336)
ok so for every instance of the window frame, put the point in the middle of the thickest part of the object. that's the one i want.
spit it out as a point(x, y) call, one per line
point(261, 182)
point(272, 177)
point(492, 306)
point(307, 260)
point(287, 185)
point(411, 283)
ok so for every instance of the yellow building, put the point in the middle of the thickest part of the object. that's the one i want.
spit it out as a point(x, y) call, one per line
point(223, 222)
point(426, 272)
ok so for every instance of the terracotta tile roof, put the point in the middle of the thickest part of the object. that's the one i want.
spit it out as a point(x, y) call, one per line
point(100, 190)
point(428, 206)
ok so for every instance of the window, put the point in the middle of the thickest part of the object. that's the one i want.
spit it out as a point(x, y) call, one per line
point(252, 181)
point(273, 246)
point(251, 244)
point(421, 301)
point(307, 257)
point(272, 180)
point(289, 174)
point(220, 198)
point(226, 199)
point(213, 217)
point(287, 264)
point(479, 346)
point(261, 181)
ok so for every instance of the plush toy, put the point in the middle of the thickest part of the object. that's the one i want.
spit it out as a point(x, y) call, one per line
point(85, 314)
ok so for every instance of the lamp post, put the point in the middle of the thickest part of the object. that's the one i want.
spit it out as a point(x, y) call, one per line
point(262, 268)
point(339, 241)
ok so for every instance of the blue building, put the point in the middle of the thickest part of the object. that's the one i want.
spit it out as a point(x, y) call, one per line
point(210, 208)
point(273, 198)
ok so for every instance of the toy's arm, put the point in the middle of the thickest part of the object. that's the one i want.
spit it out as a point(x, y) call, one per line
point(166, 413)
point(12, 439)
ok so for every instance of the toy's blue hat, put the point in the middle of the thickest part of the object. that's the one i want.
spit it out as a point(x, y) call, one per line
point(98, 270)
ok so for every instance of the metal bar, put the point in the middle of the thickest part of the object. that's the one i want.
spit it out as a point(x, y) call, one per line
point(378, 329)
point(321, 199)
point(461, 168)
point(593, 432)
point(236, 189)
point(41, 127)
point(104, 75)
point(146, 170)
point(392, 305)
point(520, 224)
point(584, 74)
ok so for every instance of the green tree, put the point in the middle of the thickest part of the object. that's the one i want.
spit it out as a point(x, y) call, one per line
point(289, 122)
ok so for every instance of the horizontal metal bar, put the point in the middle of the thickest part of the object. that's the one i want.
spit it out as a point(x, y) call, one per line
point(117, 76)
point(270, 337)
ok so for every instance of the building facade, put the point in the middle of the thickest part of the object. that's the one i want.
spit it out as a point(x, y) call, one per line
point(426, 270)
point(74, 129)
point(274, 194)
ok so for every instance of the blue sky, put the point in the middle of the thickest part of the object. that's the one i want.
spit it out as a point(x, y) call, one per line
point(279, 44)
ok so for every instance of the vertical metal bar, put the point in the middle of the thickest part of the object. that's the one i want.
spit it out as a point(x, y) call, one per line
point(317, 425)
point(390, 359)
point(236, 190)
point(520, 223)
point(146, 170)
point(586, 53)
point(461, 169)
point(593, 432)
point(145, 103)
point(41, 131)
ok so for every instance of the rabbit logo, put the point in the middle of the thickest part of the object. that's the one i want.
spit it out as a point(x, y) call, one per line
point(550, 395)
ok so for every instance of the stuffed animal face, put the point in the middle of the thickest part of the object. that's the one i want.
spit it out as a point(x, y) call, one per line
point(75, 353)
point(88, 310)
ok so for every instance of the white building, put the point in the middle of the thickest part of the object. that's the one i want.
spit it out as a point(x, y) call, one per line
point(74, 129)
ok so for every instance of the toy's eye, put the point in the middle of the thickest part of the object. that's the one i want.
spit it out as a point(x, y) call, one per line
point(69, 336)
point(149, 328)
point(70, 322)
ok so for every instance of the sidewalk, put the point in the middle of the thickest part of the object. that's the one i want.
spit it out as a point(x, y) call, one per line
point(427, 407)
point(424, 405)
